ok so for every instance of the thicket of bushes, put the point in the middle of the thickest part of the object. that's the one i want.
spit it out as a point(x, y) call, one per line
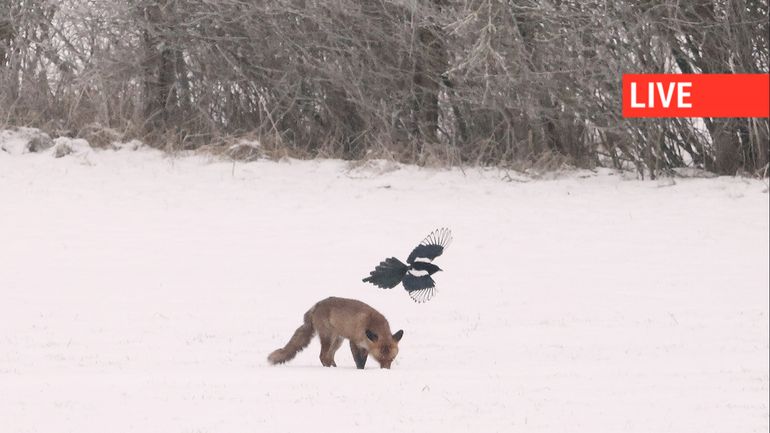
point(510, 83)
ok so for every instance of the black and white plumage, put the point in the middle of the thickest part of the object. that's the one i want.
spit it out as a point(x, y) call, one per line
point(416, 273)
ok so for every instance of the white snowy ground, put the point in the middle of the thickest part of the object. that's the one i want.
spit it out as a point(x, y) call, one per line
point(141, 293)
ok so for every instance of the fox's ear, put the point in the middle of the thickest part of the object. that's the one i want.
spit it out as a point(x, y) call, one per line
point(397, 336)
point(371, 335)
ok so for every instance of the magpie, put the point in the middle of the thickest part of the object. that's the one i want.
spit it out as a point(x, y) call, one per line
point(416, 273)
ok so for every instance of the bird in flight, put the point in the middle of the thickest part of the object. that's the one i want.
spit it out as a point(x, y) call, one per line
point(416, 273)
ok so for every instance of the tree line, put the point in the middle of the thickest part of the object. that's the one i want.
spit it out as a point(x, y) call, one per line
point(517, 83)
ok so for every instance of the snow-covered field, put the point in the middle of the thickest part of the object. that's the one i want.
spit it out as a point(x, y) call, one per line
point(142, 293)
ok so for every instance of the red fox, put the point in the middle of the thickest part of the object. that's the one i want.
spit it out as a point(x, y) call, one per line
point(335, 319)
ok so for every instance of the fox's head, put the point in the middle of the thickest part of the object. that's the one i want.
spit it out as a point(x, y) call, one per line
point(384, 348)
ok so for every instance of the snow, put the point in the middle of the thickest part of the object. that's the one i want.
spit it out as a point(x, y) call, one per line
point(64, 146)
point(23, 140)
point(143, 293)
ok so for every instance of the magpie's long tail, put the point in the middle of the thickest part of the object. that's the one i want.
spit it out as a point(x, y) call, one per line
point(387, 274)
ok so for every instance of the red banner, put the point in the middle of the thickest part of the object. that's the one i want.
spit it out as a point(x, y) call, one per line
point(696, 95)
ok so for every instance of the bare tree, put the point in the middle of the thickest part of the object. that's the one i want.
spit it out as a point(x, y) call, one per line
point(520, 83)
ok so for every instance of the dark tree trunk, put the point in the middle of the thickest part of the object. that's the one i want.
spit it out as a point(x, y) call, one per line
point(159, 67)
point(430, 65)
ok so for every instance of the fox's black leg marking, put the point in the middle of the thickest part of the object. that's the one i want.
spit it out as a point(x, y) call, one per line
point(359, 355)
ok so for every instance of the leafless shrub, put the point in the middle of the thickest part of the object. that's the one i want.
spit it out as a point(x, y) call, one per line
point(524, 83)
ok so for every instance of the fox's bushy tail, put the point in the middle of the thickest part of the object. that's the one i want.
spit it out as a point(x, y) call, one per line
point(387, 274)
point(298, 341)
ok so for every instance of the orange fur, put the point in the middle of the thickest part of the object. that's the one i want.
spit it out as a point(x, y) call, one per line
point(337, 319)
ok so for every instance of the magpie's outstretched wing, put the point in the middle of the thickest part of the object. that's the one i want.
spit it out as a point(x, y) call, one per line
point(420, 287)
point(387, 274)
point(431, 247)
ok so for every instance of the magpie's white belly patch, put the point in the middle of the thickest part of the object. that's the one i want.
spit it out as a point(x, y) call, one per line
point(417, 273)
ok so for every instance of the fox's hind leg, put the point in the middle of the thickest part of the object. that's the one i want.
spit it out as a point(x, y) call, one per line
point(329, 346)
point(335, 346)
point(326, 345)
point(359, 355)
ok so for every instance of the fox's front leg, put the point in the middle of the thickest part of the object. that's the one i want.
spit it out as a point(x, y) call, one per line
point(359, 355)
